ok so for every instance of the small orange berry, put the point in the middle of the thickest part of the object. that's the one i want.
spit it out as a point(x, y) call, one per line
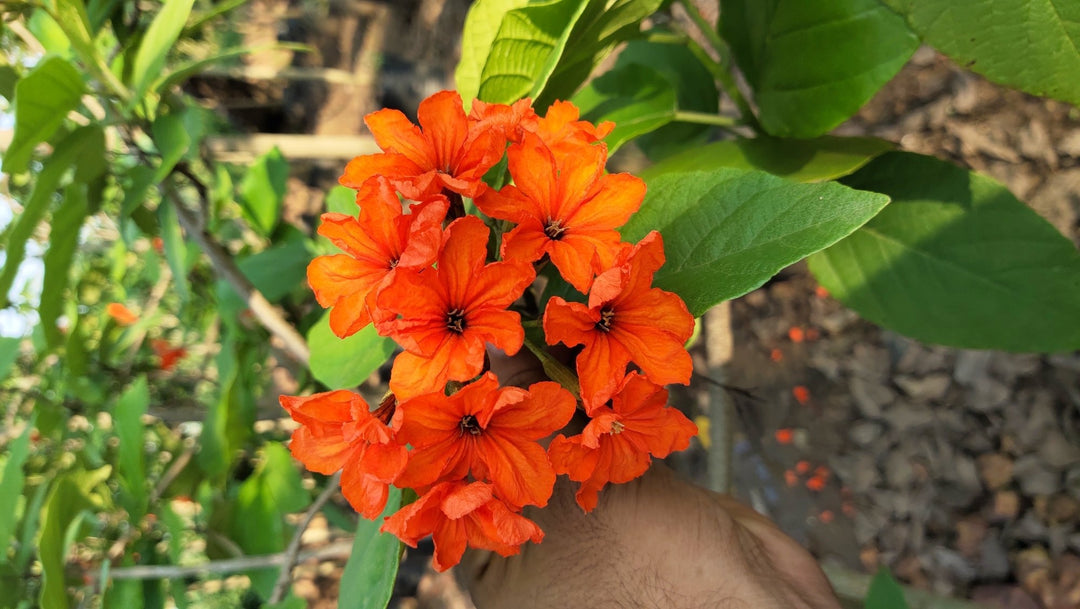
point(776, 355)
point(801, 393)
point(802, 467)
point(784, 436)
point(790, 478)
point(826, 516)
point(796, 334)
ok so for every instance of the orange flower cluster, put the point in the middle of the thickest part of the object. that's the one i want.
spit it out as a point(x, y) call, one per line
point(424, 272)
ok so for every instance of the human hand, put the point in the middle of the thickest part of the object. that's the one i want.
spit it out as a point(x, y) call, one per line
point(658, 541)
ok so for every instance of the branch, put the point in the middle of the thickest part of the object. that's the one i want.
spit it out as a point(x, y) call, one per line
point(293, 551)
point(232, 565)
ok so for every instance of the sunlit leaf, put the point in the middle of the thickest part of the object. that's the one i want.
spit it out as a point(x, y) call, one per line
point(130, 463)
point(71, 494)
point(635, 97)
point(262, 191)
point(63, 242)
point(368, 579)
point(481, 26)
point(341, 363)
point(156, 42)
point(42, 99)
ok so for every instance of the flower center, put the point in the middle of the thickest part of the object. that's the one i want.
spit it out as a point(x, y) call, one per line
point(455, 320)
point(616, 428)
point(607, 316)
point(554, 230)
point(470, 425)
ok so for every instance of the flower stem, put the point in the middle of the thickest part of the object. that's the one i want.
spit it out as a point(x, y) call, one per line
point(704, 118)
point(556, 370)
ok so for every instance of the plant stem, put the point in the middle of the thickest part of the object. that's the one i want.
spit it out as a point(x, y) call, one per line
point(556, 370)
point(723, 76)
point(293, 551)
point(231, 565)
point(704, 118)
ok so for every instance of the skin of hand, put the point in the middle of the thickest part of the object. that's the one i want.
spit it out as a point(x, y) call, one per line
point(658, 541)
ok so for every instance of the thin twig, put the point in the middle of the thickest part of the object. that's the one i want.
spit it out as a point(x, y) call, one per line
point(293, 551)
point(230, 565)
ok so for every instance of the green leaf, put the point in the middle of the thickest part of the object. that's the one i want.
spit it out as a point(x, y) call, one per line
point(172, 238)
point(63, 241)
point(694, 87)
point(481, 26)
point(159, 38)
point(11, 487)
point(262, 191)
point(130, 462)
point(42, 99)
point(9, 354)
point(84, 145)
point(71, 16)
point(49, 33)
point(726, 231)
point(258, 517)
point(1033, 45)
point(275, 272)
point(172, 138)
point(341, 363)
point(635, 97)
point(527, 48)
point(885, 592)
point(9, 77)
point(71, 494)
point(191, 68)
point(231, 417)
point(342, 200)
point(368, 579)
point(817, 160)
point(814, 64)
point(956, 259)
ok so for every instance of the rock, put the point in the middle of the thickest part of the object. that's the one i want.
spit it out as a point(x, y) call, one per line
point(925, 388)
point(1034, 477)
point(970, 533)
point(1005, 506)
point(1058, 452)
point(898, 471)
point(1031, 420)
point(972, 367)
point(865, 433)
point(952, 564)
point(869, 362)
point(868, 523)
point(905, 417)
point(1003, 597)
point(995, 470)
point(993, 559)
point(870, 397)
point(1028, 529)
point(1072, 481)
point(988, 396)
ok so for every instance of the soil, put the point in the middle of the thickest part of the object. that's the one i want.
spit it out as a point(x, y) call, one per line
point(959, 470)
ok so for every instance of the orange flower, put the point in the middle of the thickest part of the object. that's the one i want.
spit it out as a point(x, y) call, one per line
point(565, 207)
point(457, 514)
point(444, 153)
point(337, 431)
point(450, 312)
point(615, 446)
point(380, 241)
point(561, 130)
point(488, 431)
point(508, 121)
point(625, 321)
point(168, 355)
point(122, 315)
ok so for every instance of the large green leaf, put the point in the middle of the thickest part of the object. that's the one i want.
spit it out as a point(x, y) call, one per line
point(11, 487)
point(84, 147)
point(341, 363)
point(1030, 44)
point(368, 579)
point(816, 160)
point(275, 272)
point(814, 64)
point(173, 139)
point(155, 45)
point(728, 231)
point(262, 191)
point(130, 463)
point(72, 493)
point(42, 99)
point(63, 241)
point(230, 418)
point(481, 26)
point(258, 516)
point(885, 592)
point(956, 259)
point(635, 97)
point(9, 354)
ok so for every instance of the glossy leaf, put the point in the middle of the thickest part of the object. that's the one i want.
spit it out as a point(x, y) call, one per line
point(262, 191)
point(481, 26)
point(885, 592)
point(84, 145)
point(1033, 45)
point(635, 97)
point(817, 160)
point(63, 241)
point(171, 136)
point(42, 99)
point(11, 487)
point(368, 579)
point(258, 517)
point(726, 231)
point(956, 259)
point(156, 42)
point(812, 65)
point(130, 463)
point(345, 363)
point(70, 495)
point(275, 272)
point(72, 17)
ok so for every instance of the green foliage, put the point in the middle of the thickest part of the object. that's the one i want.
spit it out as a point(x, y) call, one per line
point(72, 494)
point(11, 488)
point(481, 27)
point(63, 240)
point(956, 259)
point(42, 100)
point(984, 35)
point(130, 408)
point(635, 97)
point(885, 592)
point(341, 363)
point(728, 231)
point(263, 191)
point(814, 64)
point(159, 38)
point(368, 579)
